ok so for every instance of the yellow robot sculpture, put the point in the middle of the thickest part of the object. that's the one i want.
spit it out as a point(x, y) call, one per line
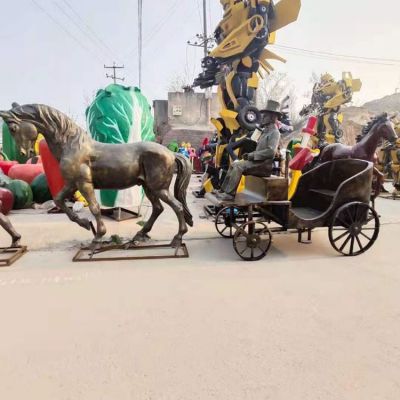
point(395, 160)
point(327, 99)
point(240, 59)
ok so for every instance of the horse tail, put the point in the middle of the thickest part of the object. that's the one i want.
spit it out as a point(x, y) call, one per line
point(184, 173)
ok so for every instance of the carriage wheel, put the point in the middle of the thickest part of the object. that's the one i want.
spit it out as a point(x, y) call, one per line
point(252, 241)
point(354, 229)
point(227, 221)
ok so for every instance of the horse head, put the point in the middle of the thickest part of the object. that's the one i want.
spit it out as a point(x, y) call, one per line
point(24, 132)
point(386, 127)
point(380, 127)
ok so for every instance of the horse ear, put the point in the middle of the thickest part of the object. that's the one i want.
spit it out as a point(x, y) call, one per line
point(5, 115)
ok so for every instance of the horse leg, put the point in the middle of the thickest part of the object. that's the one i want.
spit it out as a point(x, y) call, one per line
point(5, 223)
point(157, 209)
point(86, 188)
point(67, 191)
point(167, 198)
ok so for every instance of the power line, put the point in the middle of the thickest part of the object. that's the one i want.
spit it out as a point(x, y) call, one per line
point(163, 21)
point(65, 30)
point(88, 27)
point(338, 57)
point(79, 27)
point(348, 60)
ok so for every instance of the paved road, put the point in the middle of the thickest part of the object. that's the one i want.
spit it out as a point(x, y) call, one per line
point(302, 324)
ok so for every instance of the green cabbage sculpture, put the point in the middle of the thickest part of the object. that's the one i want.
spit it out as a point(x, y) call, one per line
point(10, 148)
point(120, 114)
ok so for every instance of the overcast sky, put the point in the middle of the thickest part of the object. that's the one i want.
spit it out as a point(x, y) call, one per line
point(53, 51)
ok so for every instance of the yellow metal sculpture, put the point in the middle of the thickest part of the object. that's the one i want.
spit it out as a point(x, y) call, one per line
point(327, 99)
point(395, 161)
point(240, 59)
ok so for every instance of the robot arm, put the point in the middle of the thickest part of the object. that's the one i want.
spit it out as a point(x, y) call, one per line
point(342, 92)
point(208, 78)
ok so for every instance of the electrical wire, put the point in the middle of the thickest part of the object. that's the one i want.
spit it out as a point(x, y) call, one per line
point(321, 57)
point(89, 28)
point(338, 57)
point(66, 31)
point(80, 28)
point(162, 22)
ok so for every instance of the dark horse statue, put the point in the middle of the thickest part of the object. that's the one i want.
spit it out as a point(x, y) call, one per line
point(378, 129)
point(87, 165)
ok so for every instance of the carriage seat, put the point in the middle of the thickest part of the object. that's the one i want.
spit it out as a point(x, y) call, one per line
point(321, 187)
point(257, 191)
point(260, 190)
point(323, 196)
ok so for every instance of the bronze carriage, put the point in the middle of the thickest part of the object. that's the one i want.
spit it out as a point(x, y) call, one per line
point(335, 195)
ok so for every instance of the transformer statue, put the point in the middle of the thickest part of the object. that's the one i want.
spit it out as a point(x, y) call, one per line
point(239, 60)
point(395, 160)
point(327, 99)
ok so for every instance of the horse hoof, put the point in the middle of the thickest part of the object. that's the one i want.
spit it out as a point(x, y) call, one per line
point(176, 243)
point(141, 238)
point(95, 246)
point(16, 242)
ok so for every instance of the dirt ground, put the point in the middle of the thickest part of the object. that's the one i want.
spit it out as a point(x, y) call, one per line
point(304, 323)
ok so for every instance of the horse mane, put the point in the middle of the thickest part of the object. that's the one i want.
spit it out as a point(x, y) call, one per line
point(47, 119)
point(379, 119)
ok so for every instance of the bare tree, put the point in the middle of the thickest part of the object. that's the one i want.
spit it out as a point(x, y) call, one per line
point(314, 78)
point(177, 83)
point(277, 86)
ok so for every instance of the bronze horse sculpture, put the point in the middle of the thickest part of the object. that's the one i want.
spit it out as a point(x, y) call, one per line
point(377, 130)
point(87, 165)
point(380, 128)
point(6, 224)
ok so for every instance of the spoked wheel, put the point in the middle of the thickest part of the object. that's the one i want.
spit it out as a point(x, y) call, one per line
point(252, 241)
point(227, 221)
point(354, 229)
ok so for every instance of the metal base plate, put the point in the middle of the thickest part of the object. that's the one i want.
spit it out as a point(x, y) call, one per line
point(119, 253)
point(119, 214)
point(8, 255)
point(389, 196)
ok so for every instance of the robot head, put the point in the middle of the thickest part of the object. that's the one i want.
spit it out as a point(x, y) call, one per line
point(326, 78)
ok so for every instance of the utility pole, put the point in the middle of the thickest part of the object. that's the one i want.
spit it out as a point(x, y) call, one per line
point(140, 39)
point(206, 42)
point(205, 35)
point(114, 75)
